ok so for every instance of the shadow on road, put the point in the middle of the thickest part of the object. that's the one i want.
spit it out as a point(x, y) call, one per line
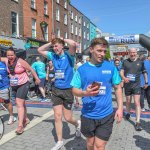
point(76, 144)
point(142, 142)
point(66, 130)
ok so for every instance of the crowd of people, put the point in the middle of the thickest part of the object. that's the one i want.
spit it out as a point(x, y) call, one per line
point(92, 80)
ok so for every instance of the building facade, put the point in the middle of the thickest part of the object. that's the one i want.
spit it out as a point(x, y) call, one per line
point(85, 32)
point(92, 31)
point(75, 26)
point(37, 19)
point(60, 18)
point(11, 18)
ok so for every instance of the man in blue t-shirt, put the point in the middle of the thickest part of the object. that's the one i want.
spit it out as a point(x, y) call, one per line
point(62, 97)
point(93, 82)
point(40, 69)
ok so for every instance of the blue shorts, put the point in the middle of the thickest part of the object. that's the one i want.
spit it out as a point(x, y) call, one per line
point(42, 83)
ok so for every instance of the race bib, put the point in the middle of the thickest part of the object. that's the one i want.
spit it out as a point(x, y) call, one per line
point(59, 74)
point(51, 75)
point(102, 90)
point(14, 81)
point(0, 77)
point(131, 77)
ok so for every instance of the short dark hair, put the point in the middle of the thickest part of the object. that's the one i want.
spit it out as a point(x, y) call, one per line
point(11, 49)
point(58, 40)
point(98, 41)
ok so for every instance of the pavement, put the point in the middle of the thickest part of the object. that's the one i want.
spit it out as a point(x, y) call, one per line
point(40, 133)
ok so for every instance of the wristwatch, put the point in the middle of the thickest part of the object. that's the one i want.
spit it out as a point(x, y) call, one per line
point(146, 82)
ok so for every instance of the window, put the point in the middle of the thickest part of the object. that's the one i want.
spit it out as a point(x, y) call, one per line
point(76, 18)
point(14, 20)
point(71, 28)
point(71, 15)
point(33, 28)
point(57, 14)
point(79, 20)
point(65, 19)
point(84, 23)
point(65, 35)
point(45, 8)
point(84, 46)
point(33, 4)
point(87, 25)
point(57, 1)
point(76, 30)
point(46, 33)
point(79, 31)
point(65, 4)
point(58, 32)
point(88, 37)
point(84, 35)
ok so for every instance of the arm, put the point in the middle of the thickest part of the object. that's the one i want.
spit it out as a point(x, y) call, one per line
point(44, 49)
point(119, 95)
point(126, 80)
point(3, 59)
point(72, 46)
point(28, 67)
point(88, 92)
point(47, 73)
point(146, 80)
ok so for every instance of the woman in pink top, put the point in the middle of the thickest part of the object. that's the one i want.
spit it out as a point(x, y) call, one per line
point(19, 81)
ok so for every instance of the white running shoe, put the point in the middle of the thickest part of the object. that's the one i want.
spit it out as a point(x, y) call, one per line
point(11, 120)
point(58, 145)
point(78, 132)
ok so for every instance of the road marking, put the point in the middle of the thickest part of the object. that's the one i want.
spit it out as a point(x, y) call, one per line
point(37, 120)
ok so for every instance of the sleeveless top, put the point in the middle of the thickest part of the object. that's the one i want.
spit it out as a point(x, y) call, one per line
point(20, 75)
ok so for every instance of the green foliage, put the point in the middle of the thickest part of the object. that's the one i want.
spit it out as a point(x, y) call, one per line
point(69, 1)
point(108, 54)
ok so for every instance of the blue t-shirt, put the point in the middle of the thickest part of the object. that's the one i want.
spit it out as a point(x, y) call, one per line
point(4, 80)
point(147, 67)
point(39, 67)
point(63, 67)
point(100, 106)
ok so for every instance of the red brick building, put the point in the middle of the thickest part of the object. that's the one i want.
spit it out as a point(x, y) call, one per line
point(37, 19)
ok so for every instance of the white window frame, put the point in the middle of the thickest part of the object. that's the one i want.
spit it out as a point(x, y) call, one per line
point(46, 33)
point(65, 4)
point(87, 25)
point(71, 14)
point(65, 19)
point(76, 18)
point(66, 35)
point(76, 30)
point(34, 28)
point(16, 24)
point(57, 1)
point(45, 8)
point(79, 20)
point(88, 36)
point(84, 24)
point(57, 14)
point(58, 32)
point(79, 31)
point(33, 4)
point(84, 35)
point(72, 28)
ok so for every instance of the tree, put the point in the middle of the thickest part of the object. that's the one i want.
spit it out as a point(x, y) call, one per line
point(69, 1)
point(108, 54)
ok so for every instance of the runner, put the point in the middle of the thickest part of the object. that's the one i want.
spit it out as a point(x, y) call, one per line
point(130, 73)
point(40, 68)
point(94, 87)
point(5, 92)
point(19, 82)
point(62, 96)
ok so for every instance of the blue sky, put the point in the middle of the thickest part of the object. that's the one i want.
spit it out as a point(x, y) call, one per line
point(119, 17)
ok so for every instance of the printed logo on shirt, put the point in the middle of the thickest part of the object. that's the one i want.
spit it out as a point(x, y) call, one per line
point(106, 71)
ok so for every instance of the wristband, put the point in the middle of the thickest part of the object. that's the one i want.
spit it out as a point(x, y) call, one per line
point(146, 82)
